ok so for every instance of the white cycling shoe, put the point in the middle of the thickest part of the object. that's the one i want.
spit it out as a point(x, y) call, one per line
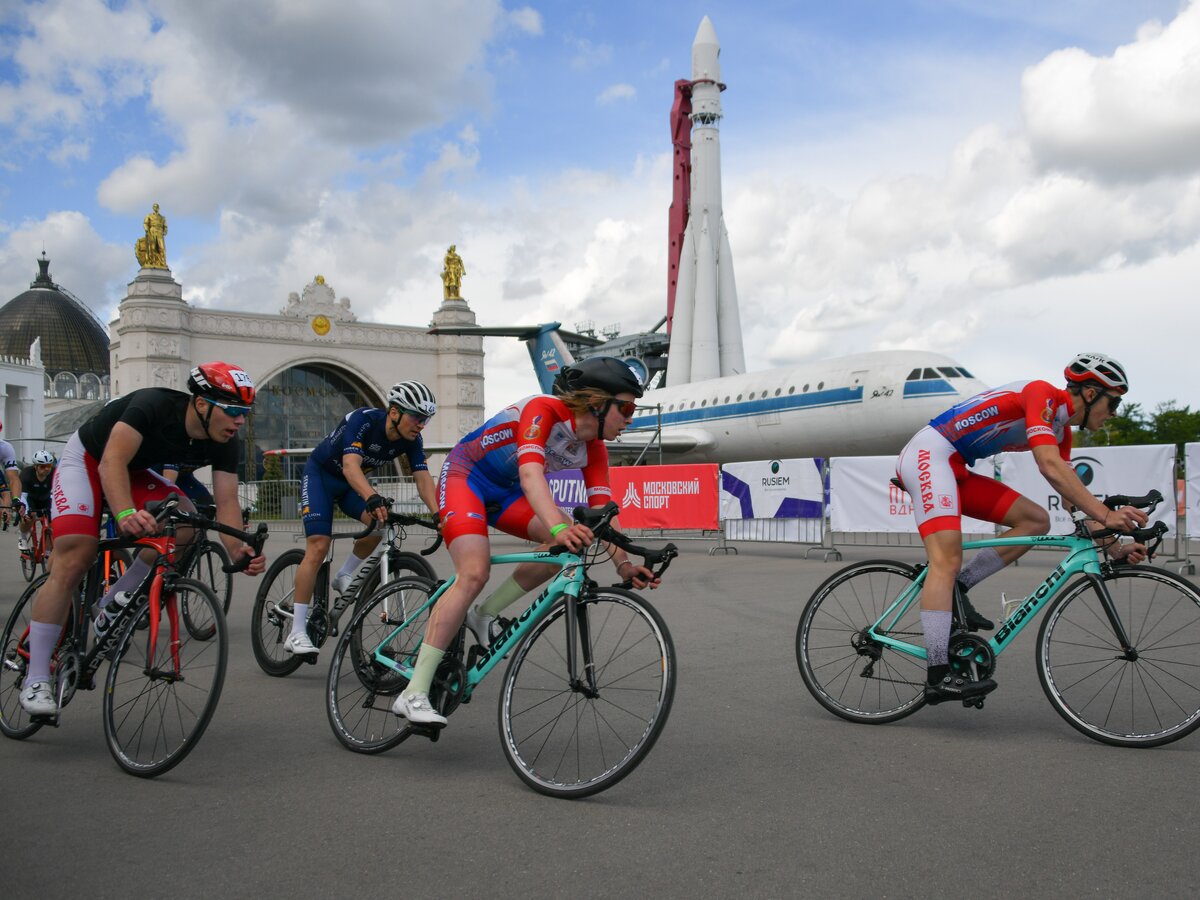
point(417, 709)
point(38, 699)
point(299, 644)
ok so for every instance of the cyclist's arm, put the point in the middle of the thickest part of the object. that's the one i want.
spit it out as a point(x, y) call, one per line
point(122, 446)
point(229, 512)
point(426, 490)
point(353, 472)
point(172, 475)
point(1063, 479)
point(13, 477)
point(537, 491)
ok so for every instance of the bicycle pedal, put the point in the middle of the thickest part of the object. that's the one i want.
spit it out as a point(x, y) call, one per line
point(333, 629)
point(310, 658)
point(433, 732)
point(977, 703)
point(52, 721)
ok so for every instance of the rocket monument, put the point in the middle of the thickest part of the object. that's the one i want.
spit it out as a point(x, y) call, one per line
point(702, 309)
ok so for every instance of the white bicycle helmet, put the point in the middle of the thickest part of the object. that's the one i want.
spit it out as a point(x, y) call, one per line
point(412, 396)
point(43, 458)
point(1098, 368)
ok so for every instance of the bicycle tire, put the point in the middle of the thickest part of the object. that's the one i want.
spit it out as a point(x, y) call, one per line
point(269, 630)
point(560, 741)
point(153, 718)
point(28, 566)
point(835, 671)
point(14, 663)
point(406, 565)
point(47, 548)
point(1143, 702)
point(359, 691)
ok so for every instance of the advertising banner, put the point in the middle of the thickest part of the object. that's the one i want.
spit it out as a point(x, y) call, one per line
point(1104, 470)
point(772, 489)
point(862, 497)
point(1191, 494)
point(679, 497)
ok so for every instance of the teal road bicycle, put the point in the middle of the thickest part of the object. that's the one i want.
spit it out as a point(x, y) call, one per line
point(1118, 653)
point(587, 690)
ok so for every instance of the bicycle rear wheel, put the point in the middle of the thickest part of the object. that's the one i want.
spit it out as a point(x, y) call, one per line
point(156, 709)
point(14, 664)
point(360, 690)
point(1145, 701)
point(47, 546)
point(848, 673)
point(28, 566)
point(271, 619)
point(575, 740)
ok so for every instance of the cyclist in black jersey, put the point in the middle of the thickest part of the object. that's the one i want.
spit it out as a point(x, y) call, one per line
point(108, 459)
point(36, 480)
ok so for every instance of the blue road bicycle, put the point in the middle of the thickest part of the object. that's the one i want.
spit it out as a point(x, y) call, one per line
point(1118, 654)
point(587, 690)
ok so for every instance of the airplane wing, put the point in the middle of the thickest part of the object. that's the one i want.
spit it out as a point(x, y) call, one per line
point(676, 441)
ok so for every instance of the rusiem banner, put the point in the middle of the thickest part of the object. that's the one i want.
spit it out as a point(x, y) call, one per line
point(1191, 459)
point(772, 489)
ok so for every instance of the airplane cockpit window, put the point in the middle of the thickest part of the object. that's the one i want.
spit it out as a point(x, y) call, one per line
point(914, 375)
point(964, 373)
point(928, 374)
point(948, 371)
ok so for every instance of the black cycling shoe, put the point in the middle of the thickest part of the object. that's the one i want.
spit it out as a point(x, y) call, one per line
point(955, 686)
point(975, 619)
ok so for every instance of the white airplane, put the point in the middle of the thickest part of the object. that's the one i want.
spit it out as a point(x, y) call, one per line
point(860, 405)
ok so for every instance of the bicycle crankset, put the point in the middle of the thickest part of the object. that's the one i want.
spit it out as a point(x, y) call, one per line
point(972, 656)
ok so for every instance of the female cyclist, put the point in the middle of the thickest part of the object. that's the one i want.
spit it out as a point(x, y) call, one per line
point(496, 475)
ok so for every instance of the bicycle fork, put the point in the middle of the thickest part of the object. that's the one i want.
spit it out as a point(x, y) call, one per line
point(1128, 651)
point(578, 623)
point(172, 604)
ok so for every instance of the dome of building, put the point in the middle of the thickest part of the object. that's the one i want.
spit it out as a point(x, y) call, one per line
point(73, 340)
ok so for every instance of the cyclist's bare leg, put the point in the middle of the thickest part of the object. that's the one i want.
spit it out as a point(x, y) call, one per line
point(1024, 518)
point(944, 549)
point(471, 554)
point(73, 554)
point(316, 546)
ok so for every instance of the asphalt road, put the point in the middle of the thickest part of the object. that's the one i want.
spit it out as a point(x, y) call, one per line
point(752, 790)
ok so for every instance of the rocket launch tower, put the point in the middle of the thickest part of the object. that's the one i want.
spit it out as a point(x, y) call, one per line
point(702, 308)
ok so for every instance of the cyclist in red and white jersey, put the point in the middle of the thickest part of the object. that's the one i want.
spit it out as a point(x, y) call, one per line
point(1029, 416)
point(497, 475)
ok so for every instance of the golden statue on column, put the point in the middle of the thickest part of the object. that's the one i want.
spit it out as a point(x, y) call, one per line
point(151, 250)
point(452, 274)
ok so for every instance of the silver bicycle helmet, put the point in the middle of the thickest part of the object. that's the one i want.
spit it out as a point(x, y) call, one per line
point(43, 458)
point(412, 396)
point(1098, 368)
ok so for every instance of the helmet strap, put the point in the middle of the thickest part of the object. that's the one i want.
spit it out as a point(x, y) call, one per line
point(1088, 404)
point(601, 413)
point(206, 418)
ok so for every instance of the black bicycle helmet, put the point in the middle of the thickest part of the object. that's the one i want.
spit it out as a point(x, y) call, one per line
point(604, 373)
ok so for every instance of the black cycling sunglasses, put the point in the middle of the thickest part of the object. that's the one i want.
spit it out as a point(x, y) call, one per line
point(1114, 400)
point(420, 418)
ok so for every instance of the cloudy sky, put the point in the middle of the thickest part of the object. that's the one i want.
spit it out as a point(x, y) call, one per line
point(1005, 181)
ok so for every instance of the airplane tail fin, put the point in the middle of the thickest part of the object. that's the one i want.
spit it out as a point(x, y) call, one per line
point(549, 354)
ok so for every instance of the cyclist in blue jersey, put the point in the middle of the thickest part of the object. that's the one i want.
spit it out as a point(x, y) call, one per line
point(336, 472)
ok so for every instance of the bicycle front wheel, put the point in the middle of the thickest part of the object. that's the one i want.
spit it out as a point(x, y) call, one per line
point(208, 568)
point(1142, 699)
point(271, 619)
point(360, 690)
point(157, 707)
point(14, 664)
point(28, 564)
point(576, 739)
point(849, 673)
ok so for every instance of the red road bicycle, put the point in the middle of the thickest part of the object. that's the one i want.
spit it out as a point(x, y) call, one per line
point(41, 542)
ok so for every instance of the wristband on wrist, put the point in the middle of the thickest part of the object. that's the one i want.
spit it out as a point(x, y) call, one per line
point(624, 562)
point(561, 526)
point(125, 513)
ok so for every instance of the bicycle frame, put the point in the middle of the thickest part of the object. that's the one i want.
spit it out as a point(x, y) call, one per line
point(568, 582)
point(1081, 559)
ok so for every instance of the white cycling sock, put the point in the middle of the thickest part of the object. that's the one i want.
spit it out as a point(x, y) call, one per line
point(984, 563)
point(936, 623)
point(299, 617)
point(349, 566)
point(42, 638)
point(134, 575)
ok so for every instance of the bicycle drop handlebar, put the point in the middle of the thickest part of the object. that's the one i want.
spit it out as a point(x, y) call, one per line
point(403, 520)
point(599, 520)
point(168, 510)
point(1148, 502)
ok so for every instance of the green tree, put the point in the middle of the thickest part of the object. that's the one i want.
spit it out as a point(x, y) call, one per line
point(1168, 424)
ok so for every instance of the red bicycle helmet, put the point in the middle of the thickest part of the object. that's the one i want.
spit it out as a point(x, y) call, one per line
point(222, 382)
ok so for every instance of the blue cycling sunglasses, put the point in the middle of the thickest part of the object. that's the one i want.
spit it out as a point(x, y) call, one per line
point(420, 418)
point(230, 410)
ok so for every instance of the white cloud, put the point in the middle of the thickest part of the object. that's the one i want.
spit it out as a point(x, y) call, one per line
point(616, 92)
point(1132, 115)
point(588, 55)
point(527, 19)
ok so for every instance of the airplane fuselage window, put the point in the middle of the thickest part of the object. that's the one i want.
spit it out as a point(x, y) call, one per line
point(778, 391)
point(820, 386)
point(792, 389)
point(726, 398)
point(806, 389)
point(703, 403)
point(751, 397)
